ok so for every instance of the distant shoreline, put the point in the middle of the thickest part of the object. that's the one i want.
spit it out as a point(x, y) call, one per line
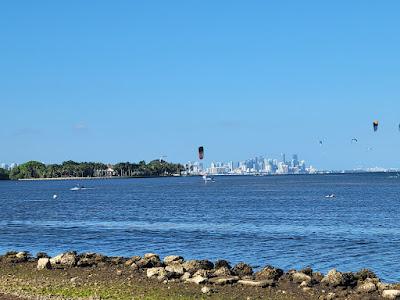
point(90, 178)
point(216, 175)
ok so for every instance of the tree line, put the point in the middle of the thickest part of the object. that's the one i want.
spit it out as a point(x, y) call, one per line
point(35, 169)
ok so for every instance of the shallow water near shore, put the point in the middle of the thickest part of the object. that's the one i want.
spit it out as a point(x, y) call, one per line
point(285, 221)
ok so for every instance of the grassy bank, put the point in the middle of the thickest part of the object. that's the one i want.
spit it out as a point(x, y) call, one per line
point(113, 282)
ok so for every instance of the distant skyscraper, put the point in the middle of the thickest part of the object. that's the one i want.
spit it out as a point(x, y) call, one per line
point(283, 158)
point(295, 160)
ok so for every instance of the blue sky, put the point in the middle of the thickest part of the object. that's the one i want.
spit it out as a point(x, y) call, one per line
point(130, 80)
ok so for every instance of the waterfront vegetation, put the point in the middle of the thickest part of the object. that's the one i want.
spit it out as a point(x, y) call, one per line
point(35, 169)
point(4, 174)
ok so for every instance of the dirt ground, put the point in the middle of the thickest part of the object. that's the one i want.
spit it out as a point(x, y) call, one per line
point(23, 281)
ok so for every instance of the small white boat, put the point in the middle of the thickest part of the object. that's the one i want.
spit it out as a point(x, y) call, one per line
point(208, 179)
point(77, 188)
point(330, 196)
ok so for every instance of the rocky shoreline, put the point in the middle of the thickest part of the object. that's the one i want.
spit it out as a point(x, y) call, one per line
point(172, 276)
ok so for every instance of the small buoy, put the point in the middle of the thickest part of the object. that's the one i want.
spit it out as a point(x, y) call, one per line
point(55, 196)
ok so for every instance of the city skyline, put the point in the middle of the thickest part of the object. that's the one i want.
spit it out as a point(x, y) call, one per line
point(257, 165)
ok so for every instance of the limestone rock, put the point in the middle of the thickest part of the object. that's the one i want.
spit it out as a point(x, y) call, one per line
point(159, 272)
point(43, 264)
point(175, 268)
point(185, 276)
point(364, 274)
point(197, 279)
point(366, 287)
point(223, 271)
point(299, 277)
point(151, 255)
point(222, 264)
point(259, 283)
point(333, 278)
point(134, 267)
point(317, 277)
point(203, 273)
point(68, 259)
point(330, 296)
point(307, 270)
point(173, 259)
point(383, 286)
point(391, 294)
point(192, 266)
point(118, 260)
point(149, 260)
point(242, 269)
point(23, 255)
point(132, 260)
point(269, 272)
point(305, 283)
point(87, 260)
point(224, 281)
point(42, 255)
point(205, 290)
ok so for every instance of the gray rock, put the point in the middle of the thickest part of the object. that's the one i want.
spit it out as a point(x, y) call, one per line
point(242, 269)
point(43, 264)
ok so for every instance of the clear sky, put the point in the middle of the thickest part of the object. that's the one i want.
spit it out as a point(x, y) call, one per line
point(130, 80)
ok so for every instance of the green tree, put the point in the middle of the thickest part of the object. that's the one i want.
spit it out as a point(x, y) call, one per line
point(4, 174)
point(30, 169)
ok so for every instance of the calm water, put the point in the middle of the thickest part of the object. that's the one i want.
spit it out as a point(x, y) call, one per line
point(284, 221)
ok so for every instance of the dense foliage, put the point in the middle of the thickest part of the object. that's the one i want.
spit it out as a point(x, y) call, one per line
point(3, 174)
point(34, 169)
